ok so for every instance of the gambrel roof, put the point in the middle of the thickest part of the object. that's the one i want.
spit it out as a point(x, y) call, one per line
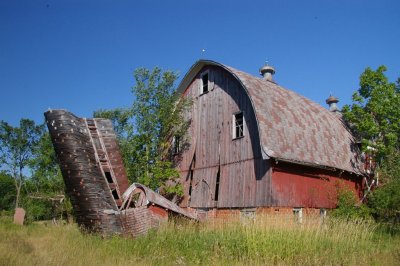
point(291, 127)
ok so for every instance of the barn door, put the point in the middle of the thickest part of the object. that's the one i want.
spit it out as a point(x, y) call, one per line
point(203, 188)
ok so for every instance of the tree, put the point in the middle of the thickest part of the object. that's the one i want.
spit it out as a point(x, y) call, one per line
point(158, 112)
point(45, 197)
point(46, 174)
point(374, 117)
point(17, 146)
point(146, 129)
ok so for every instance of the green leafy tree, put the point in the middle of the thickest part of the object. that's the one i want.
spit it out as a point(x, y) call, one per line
point(146, 129)
point(17, 146)
point(374, 118)
point(46, 176)
point(45, 197)
point(159, 118)
point(374, 115)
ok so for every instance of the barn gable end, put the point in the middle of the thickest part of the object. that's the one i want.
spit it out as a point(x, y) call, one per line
point(219, 170)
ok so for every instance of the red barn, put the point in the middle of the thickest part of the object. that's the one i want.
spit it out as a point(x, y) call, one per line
point(255, 145)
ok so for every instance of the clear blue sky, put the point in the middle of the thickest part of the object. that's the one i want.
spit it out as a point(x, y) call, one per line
point(80, 55)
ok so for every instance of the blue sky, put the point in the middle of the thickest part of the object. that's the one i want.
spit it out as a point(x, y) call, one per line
point(80, 55)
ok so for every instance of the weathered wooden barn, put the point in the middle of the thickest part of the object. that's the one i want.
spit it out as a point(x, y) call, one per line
point(256, 146)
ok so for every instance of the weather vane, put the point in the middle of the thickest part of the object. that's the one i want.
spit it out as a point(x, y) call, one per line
point(203, 51)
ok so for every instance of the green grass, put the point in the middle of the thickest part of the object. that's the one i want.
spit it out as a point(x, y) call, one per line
point(268, 240)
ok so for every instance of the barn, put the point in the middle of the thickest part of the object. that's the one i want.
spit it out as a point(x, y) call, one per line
point(255, 146)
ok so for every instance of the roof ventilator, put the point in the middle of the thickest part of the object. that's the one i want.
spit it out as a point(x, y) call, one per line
point(332, 101)
point(267, 72)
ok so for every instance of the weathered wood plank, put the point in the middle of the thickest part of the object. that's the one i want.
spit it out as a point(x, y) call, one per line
point(211, 139)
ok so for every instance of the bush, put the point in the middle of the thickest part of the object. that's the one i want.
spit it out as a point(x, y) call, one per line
point(46, 209)
point(7, 192)
point(348, 206)
point(384, 201)
point(37, 209)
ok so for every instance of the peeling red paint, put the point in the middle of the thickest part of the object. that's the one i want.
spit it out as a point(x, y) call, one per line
point(300, 186)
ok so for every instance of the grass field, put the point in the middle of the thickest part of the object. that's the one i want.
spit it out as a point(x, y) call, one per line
point(276, 240)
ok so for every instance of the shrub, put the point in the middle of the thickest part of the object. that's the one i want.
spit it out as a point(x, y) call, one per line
point(349, 207)
point(384, 201)
point(7, 192)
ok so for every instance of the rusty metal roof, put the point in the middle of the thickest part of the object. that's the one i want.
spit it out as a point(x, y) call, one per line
point(292, 127)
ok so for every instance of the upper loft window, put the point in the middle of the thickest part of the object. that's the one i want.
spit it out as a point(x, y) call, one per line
point(204, 83)
point(238, 125)
point(176, 143)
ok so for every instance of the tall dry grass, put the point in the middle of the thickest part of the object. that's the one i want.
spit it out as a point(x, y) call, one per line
point(266, 240)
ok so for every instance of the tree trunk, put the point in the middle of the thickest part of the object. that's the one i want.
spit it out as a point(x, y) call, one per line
point(18, 194)
point(18, 186)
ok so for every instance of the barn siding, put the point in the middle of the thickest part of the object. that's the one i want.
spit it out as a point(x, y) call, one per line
point(244, 175)
point(301, 186)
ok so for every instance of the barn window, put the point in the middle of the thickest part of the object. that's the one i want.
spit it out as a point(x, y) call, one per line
point(247, 215)
point(176, 144)
point(192, 166)
point(216, 193)
point(322, 213)
point(298, 215)
point(204, 83)
point(238, 125)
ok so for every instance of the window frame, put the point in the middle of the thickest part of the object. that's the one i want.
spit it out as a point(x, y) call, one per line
point(234, 126)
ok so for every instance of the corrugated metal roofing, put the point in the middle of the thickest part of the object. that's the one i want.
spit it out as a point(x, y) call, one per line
point(292, 127)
